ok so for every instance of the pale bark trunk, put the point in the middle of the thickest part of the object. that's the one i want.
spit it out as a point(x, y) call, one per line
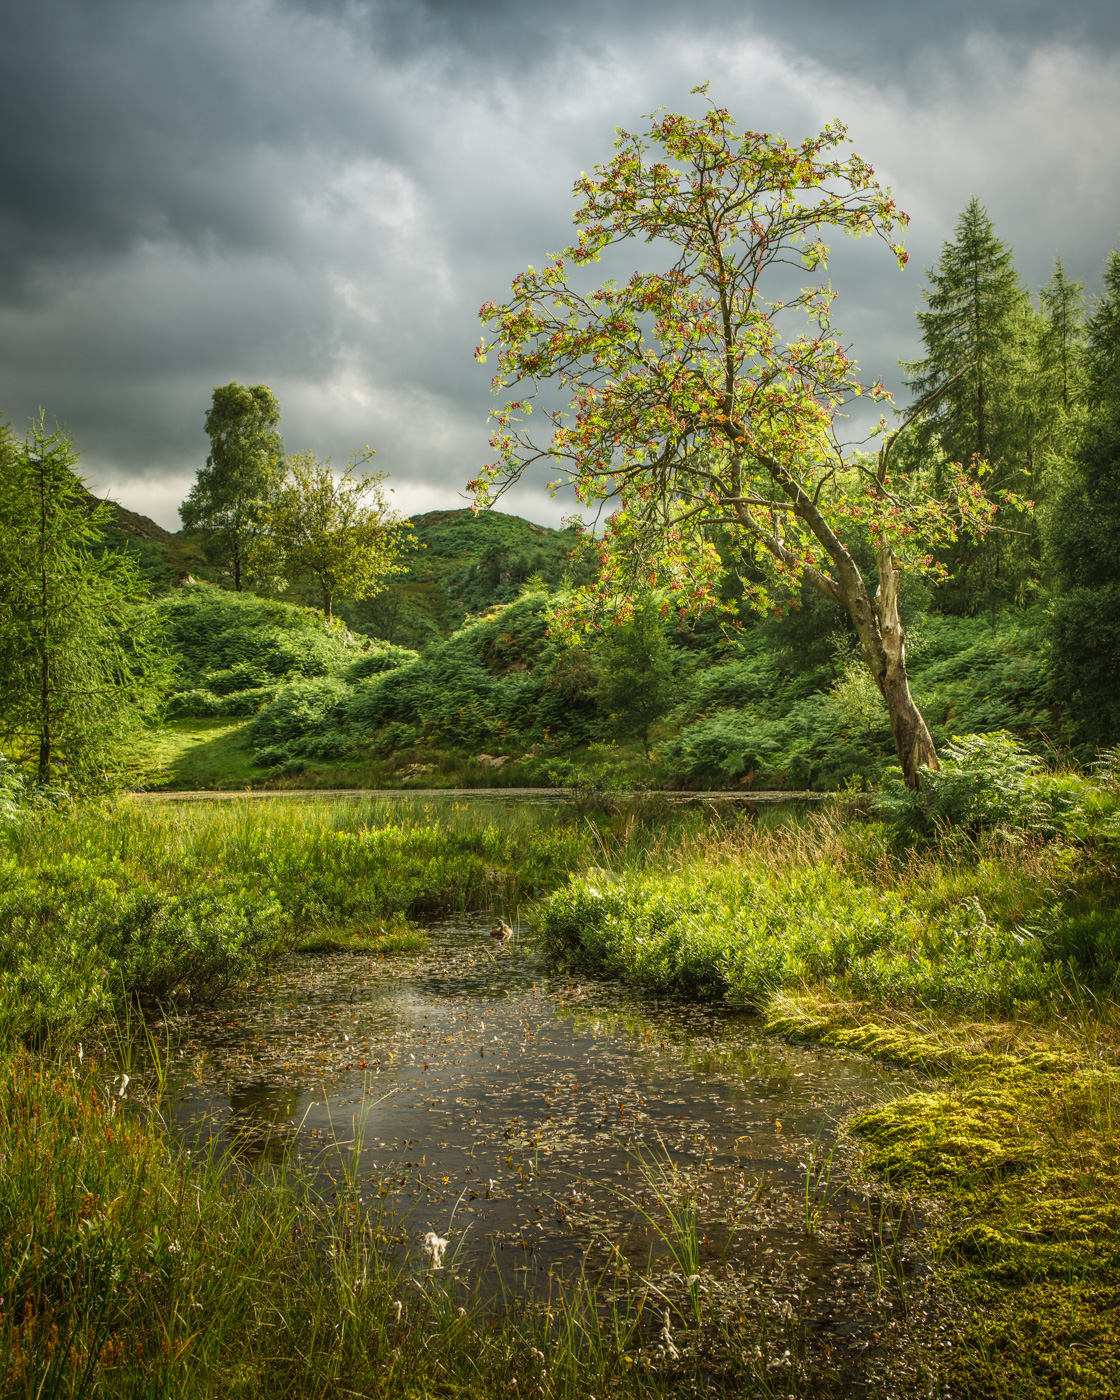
point(911, 734)
point(878, 626)
point(883, 645)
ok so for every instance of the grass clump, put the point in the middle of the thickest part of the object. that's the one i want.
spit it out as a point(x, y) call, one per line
point(739, 921)
point(125, 1271)
point(396, 935)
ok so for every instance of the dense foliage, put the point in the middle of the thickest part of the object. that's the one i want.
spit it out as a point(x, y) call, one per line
point(1085, 529)
point(82, 665)
point(235, 650)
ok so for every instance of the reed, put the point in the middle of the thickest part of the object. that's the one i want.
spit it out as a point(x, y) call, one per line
point(127, 1271)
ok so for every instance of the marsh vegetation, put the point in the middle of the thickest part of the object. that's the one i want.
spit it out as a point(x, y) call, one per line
point(945, 1224)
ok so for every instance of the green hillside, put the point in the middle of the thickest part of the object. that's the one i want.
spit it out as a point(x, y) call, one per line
point(466, 564)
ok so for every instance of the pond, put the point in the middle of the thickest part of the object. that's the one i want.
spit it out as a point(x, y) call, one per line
point(544, 1126)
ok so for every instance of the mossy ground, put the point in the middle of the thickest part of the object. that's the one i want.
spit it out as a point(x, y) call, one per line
point(1017, 1137)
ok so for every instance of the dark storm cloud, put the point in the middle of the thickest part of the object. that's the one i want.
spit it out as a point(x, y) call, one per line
point(319, 195)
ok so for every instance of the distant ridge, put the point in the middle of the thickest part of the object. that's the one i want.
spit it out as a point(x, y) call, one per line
point(129, 522)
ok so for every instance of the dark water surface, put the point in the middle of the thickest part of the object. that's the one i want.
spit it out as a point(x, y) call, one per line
point(541, 1124)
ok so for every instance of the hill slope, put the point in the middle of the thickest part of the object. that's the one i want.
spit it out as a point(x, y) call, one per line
point(464, 564)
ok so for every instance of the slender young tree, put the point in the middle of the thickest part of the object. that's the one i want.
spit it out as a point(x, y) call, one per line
point(634, 666)
point(1061, 340)
point(1084, 529)
point(694, 403)
point(340, 533)
point(81, 661)
point(241, 475)
point(978, 319)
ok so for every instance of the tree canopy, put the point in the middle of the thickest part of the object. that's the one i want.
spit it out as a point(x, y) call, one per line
point(242, 473)
point(341, 533)
point(705, 397)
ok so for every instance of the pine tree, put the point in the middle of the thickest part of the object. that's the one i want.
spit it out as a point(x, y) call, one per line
point(1060, 343)
point(978, 320)
point(1056, 402)
point(637, 681)
point(81, 662)
point(242, 474)
point(1085, 623)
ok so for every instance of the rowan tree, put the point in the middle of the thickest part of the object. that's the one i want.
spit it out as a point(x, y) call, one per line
point(339, 533)
point(695, 404)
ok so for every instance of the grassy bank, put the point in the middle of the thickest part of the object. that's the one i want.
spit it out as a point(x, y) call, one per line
point(102, 908)
point(985, 957)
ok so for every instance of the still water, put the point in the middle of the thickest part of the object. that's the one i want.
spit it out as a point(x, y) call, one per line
point(543, 1125)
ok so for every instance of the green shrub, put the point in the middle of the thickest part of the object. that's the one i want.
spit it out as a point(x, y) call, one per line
point(301, 709)
point(725, 746)
point(203, 942)
point(74, 944)
point(986, 782)
point(379, 658)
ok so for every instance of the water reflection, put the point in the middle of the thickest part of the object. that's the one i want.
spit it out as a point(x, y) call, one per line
point(543, 1123)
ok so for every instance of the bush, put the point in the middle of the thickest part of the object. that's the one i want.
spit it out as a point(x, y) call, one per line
point(743, 933)
point(73, 945)
point(201, 942)
point(235, 650)
point(725, 746)
point(302, 709)
point(986, 782)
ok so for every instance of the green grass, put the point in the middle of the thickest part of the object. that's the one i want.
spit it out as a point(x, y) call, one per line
point(126, 1271)
point(189, 754)
point(987, 929)
point(400, 936)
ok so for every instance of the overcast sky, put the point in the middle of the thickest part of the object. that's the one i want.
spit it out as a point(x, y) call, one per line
point(319, 196)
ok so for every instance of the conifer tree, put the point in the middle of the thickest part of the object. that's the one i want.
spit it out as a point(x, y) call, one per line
point(1085, 623)
point(1060, 342)
point(978, 319)
point(81, 662)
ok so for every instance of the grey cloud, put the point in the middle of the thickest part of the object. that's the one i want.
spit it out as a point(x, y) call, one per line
point(320, 195)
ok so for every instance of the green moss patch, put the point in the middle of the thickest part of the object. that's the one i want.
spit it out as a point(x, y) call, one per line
point(1028, 1165)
